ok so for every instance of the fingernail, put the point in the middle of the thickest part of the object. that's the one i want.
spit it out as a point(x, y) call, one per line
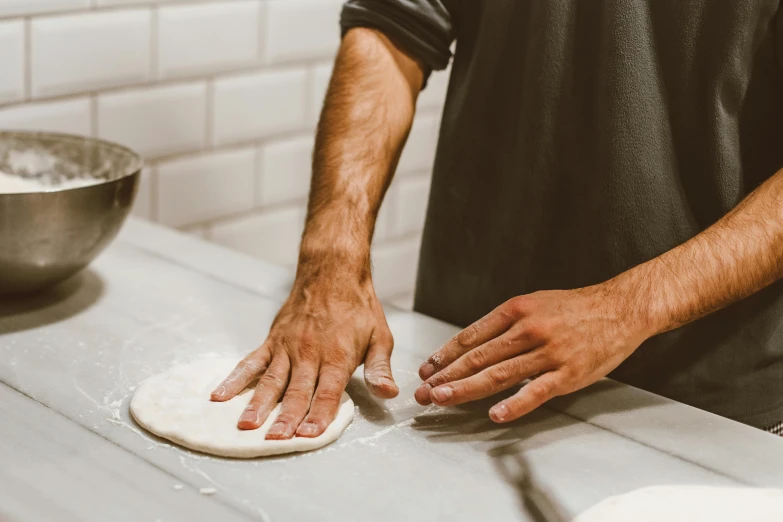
point(249, 415)
point(442, 393)
point(499, 412)
point(422, 393)
point(277, 429)
point(308, 429)
point(426, 371)
point(218, 393)
point(385, 381)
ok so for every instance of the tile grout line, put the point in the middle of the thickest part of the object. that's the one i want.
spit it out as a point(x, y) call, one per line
point(153, 181)
point(216, 74)
point(94, 7)
point(154, 43)
point(258, 183)
point(28, 59)
point(209, 117)
point(309, 93)
point(261, 44)
point(234, 145)
point(94, 123)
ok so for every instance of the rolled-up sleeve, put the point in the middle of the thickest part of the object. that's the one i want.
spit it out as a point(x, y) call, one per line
point(422, 28)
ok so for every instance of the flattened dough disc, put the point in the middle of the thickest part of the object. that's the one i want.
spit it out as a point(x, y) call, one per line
point(689, 504)
point(175, 405)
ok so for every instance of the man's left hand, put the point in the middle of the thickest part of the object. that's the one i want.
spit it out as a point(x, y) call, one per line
point(563, 340)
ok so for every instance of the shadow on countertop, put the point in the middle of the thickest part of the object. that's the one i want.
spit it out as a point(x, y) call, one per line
point(65, 300)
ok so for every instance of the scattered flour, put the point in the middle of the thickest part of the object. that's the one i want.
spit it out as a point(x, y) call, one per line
point(36, 170)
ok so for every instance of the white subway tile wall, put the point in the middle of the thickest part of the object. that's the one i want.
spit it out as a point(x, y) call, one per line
point(259, 105)
point(155, 121)
point(202, 38)
point(394, 267)
point(319, 78)
point(284, 170)
point(209, 186)
point(222, 98)
point(28, 7)
point(301, 29)
point(12, 58)
point(89, 51)
point(270, 234)
point(419, 152)
point(67, 115)
point(411, 201)
point(143, 206)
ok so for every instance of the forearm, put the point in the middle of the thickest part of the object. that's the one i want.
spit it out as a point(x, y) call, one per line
point(366, 117)
point(734, 258)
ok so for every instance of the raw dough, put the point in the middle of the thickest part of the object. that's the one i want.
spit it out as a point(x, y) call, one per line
point(689, 504)
point(175, 405)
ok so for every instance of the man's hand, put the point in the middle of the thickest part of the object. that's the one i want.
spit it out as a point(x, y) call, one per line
point(567, 339)
point(564, 340)
point(333, 321)
point(319, 337)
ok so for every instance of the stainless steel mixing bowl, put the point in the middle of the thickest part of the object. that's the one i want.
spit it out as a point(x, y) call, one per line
point(46, 237)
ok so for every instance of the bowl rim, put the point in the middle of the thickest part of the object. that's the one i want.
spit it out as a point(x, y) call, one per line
point(135, 166)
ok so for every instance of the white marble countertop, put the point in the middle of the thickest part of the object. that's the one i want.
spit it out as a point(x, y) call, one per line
point(70, 360)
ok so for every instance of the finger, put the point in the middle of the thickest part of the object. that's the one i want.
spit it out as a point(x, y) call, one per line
point(269, 388)
point(326, 402)
point(377, 366)
point(531, 396)
point(490, 381)
point(296, 401)
point(243, 374)
point(488, 327)
point(515, 341)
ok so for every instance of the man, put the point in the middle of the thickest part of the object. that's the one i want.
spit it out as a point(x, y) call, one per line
point(604, 201)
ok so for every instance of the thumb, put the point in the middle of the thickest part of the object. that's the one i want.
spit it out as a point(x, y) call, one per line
point(377, 367)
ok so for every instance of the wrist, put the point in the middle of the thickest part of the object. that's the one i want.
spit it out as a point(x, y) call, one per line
point(635, 302)
point(323, 267)
point(325, 280)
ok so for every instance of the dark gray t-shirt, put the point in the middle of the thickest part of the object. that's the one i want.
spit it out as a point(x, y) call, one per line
point(581, 138)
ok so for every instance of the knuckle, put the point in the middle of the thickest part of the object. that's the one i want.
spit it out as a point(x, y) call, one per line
point(251, 365)
point(535, 332)
point(516, 306)
point(477, 360)
point(548, 356)
point(293, 407)
point(567, 372)
point(520, 336)
point(386, 338)
point(543, 390)
point(286, 416)
point(307, 352)
point(273, 379)
point(469, 336)
point(499, 375)
point(298, 391)
point(329, 394)
point(438, 379)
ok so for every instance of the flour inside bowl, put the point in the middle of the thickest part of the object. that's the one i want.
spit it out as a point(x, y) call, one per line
point(36, 172)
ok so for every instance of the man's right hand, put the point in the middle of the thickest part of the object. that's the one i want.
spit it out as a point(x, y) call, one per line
point(326, 328)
